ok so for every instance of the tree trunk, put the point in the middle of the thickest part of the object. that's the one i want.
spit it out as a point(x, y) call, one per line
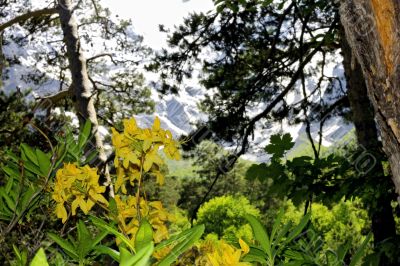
point(372, 29)
point(382, 219)
point(82, 92)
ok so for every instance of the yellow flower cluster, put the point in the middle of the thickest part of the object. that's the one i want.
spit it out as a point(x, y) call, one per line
point(79, 187)
point(220, 253)
point(137, 150)
point(152, 211)
point(137, 155)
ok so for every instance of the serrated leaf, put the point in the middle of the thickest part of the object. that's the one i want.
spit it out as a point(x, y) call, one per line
point(279, 145)
point(257, 171)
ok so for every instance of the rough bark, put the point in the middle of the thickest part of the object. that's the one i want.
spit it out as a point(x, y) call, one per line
point(372, 29)
point(382, 219)
point(82, 91)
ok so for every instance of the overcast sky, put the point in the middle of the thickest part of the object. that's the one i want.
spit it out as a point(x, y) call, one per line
point(146, 15)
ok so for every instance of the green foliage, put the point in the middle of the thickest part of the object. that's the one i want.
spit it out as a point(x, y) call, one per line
point(286, 244)
point(345, 223)
point(303, 178)
point(274, 244)
point(179, 243)
point(279, 145)
point(40, 259)
point(225, 217)
point(83, 248)
point(206, 159)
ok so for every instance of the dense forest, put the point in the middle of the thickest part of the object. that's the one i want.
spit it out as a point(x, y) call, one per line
point(265, 132)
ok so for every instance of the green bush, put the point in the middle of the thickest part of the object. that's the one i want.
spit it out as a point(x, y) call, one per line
point(225, 217)
point(345, 222)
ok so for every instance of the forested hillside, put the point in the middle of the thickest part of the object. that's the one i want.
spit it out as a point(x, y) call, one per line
point(265, 132)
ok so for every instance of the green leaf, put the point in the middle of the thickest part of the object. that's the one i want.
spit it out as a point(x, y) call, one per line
point(279, 145)
point(98, 238)
point(360, 251)
point(26, 198)
point(11, 172)
point(342, 251)
point(67, 246)
point(255, 255)
point(85, 134)
point(84, 240)
point(191, 236)
point(260, 234)
point(29, 153)
point(10, 202)
point(39, 259)
point(14, 157)
point(9, 185)
point(17, 253)
point(89, 158)
point(44, 162)
point(144, 235)
point(141, 258)
point(299, 228)
point(102, 224)
point(277, 223)
point(112, 206)
point(108, 251)
point(33, 168)
point(257, 171)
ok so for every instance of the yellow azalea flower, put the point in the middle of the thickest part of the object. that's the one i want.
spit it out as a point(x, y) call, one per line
point(128, 219)
point(137, 150)
point(220, 253)
point(79, 187)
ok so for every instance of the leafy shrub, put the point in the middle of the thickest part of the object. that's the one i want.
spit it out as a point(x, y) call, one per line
point(345, 222)
point(225, 217)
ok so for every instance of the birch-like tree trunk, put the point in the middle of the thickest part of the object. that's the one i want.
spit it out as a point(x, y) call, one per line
point(372, 29)
point(82, 91)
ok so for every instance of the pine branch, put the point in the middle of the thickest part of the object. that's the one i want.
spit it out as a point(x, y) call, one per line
point(27, 16)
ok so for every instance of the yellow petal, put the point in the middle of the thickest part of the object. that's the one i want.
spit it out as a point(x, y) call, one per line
point(74, 205)
point(61, 212)
point(99, 198)
point(243, 245)
point(157, 124)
